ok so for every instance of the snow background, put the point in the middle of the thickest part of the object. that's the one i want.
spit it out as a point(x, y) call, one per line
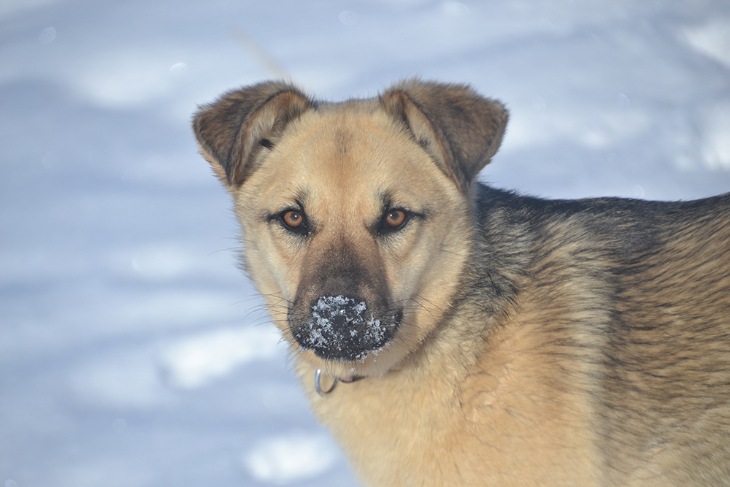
point(132, 351)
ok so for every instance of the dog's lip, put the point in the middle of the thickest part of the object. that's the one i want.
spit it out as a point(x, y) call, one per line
point(350, 379)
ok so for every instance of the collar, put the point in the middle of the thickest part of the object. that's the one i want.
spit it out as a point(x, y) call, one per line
point(323, 392)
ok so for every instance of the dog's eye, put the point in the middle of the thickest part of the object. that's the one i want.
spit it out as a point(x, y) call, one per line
point(293, 220)
point(393, 220)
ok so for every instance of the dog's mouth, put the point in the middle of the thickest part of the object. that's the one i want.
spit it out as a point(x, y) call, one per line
point(343, 328)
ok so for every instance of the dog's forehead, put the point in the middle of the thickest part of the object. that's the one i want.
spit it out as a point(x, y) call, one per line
point(347, 149)
point(339, 128)
point(347, 158)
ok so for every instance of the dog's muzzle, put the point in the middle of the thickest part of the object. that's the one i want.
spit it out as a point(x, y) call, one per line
point(344, 328)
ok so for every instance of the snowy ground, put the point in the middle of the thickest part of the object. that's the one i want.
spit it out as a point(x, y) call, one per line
point(132, 351)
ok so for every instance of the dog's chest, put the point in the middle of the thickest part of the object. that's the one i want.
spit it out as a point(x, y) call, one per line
point(486, 431)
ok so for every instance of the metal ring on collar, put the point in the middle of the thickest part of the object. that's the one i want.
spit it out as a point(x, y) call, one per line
point(318, 387)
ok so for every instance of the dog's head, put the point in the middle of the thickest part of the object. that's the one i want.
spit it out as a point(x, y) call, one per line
point(356, 215)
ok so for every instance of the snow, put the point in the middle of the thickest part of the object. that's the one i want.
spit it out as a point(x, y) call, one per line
point(197, 360)
point(284, 460)
point(132, 351)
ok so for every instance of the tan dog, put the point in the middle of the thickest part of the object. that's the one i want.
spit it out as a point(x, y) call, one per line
point(480, 337)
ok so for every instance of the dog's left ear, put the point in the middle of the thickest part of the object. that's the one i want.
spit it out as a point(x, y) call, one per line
point(460, 129)
point(236, 131)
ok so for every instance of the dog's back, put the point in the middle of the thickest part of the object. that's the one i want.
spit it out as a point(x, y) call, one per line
point(637, 294)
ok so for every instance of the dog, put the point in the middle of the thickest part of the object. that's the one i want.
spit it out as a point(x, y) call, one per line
point(476, 337)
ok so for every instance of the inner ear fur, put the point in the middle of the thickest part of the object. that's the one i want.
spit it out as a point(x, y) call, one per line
point(235, 131)
point(460, 129)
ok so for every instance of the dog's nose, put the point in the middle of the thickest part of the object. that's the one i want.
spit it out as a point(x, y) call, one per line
point(339, 311)
point(343, 327)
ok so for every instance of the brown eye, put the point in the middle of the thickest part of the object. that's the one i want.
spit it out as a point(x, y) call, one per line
point(292, 219)
point(395, 218)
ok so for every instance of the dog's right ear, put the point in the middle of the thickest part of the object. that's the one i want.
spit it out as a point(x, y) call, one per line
point(459, 128)
point(236, 131)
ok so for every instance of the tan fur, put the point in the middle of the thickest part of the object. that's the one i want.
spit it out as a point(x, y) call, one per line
point(534, 342)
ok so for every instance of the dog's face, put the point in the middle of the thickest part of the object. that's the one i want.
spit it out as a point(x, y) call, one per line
point(356, 216)
point(354, 237)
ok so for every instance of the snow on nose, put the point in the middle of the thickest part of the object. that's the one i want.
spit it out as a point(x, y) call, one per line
point(341, 327)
